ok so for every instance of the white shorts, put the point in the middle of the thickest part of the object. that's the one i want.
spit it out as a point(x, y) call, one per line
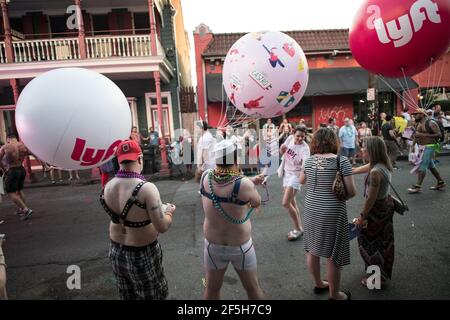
point(291, 180)
point(217, 257)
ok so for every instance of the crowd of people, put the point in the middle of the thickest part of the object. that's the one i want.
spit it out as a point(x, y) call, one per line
point(324, 162)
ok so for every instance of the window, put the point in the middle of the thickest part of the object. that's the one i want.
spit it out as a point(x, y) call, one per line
point(100, 24)
point(141, 23)
point(58, 26)
point(16, 24)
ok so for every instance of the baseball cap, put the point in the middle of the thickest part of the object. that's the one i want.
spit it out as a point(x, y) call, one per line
point(128, 150)
point(223, 148)
point(429, 111)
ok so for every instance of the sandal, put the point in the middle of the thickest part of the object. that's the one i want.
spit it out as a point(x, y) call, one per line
point(294, 235)
point(364, 283)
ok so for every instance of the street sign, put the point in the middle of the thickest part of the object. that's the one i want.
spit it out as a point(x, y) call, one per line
point(371, 94)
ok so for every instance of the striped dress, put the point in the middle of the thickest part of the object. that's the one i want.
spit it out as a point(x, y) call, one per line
point(325, 217)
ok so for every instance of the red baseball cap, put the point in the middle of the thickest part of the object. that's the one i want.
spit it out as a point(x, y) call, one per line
point(128, 150)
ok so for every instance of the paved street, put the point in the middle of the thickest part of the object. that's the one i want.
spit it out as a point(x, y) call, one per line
point(69, 227)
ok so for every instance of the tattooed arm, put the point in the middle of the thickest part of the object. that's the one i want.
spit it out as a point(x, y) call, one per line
point(160, 214)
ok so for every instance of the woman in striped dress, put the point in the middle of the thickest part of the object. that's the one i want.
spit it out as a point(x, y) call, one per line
point(325, 217)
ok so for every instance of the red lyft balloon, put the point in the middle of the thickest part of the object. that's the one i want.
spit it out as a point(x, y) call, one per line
point(389, 37)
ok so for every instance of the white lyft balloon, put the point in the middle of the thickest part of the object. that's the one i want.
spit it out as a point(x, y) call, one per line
point(72, 118)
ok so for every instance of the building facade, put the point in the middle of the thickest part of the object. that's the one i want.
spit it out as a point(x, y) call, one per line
point(141, 45)
point(337, 84)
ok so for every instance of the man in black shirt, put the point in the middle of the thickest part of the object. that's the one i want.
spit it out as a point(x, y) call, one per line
point(390, 139)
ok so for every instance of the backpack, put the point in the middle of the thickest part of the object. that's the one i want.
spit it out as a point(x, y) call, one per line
point(441, 128)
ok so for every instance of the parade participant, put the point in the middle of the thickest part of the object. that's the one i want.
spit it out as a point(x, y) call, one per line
point(15, 152)
point(363, 134)
point(285, 127)
point(295, 152)
point(376, 239)
point(389, 134)
point(326, 222)
point(3, 295)
point(348, 137)
point(205, 156)
point(426, 136)
point(228, 200)
point(332, 125)
point(135, 135)
point(137, 217)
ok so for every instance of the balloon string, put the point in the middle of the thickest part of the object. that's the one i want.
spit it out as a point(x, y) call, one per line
point(405, 92)
point(221, 109)
point(437, 84)
point(428, 80)
point(408, 93)
point(414, 106)
point(429, 99)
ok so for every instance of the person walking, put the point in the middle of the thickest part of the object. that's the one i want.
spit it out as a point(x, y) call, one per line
point(14, 152)
point(325, 216)
point(426, 135)
point(295, 152)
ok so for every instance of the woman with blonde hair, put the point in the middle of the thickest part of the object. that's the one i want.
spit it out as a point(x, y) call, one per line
point(376, 240)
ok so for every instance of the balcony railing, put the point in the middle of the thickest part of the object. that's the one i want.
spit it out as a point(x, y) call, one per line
point(68, 48)
point(46, 50)
point(2, 52)
point(118, 46)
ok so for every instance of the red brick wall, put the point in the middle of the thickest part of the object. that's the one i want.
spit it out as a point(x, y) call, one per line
point(201, 43)
point(215, 114)
point(430, 77)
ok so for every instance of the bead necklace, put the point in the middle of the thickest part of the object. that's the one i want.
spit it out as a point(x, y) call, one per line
point(129, 174)
point(219, 207)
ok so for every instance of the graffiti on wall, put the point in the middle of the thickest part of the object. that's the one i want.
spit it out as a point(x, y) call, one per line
point(337, 112)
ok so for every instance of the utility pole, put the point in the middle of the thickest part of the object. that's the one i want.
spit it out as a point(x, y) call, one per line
point(372, 100)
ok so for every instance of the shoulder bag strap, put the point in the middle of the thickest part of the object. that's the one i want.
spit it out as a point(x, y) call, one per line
point(392, 187)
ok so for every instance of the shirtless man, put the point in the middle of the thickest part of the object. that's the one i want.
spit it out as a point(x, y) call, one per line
point(137, 217)
point(426, 135)
point(226, 227)
point(15, 152)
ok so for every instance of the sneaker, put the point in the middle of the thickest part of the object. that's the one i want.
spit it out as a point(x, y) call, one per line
point(440, 185)
point(27, 214)
point(415, 189)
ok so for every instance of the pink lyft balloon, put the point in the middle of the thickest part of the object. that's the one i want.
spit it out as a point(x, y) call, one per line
point(265, 74)
point(73, 118)
point(400, 37)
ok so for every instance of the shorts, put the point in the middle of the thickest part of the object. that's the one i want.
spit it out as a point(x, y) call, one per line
point(291, 180)
point(348, 152)
point(15, 179)
point(138, 271)
point(427, 159)
point(217, 257)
